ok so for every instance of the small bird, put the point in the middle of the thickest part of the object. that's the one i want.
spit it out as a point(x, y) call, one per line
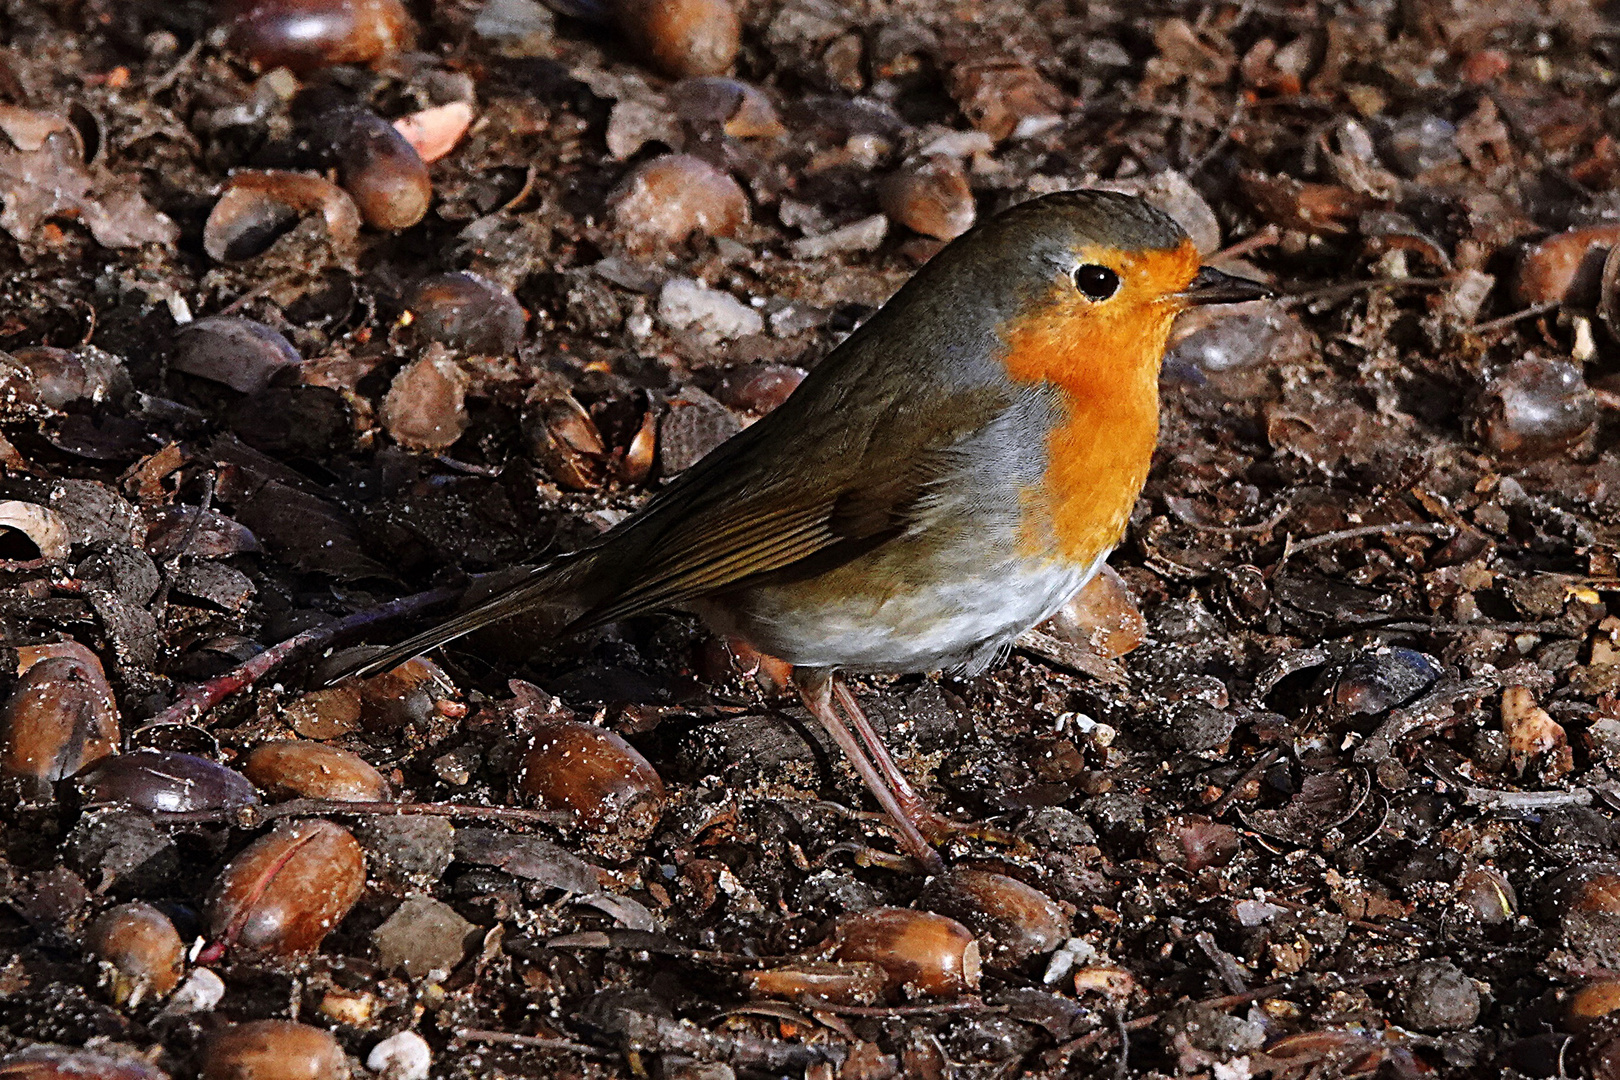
point(945, 479)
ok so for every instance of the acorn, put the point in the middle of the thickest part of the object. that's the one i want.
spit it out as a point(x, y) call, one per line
point(1593, 1001)
point(596, 776)
point(165, 781)
point(1565, 267)
point(140, 950)
point(292, 769)
point(285, 892)
point(273, 1050)
point(426, 404)
point(59, 719)
point(240, 353)
point(467, 313)
point(682, 37)
point(47, 1061)
point(922, 954)
point(305, 35)
point(1017, 920)
point(378, 167)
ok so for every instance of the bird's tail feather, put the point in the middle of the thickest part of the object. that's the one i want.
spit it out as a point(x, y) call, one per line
point(545, 587)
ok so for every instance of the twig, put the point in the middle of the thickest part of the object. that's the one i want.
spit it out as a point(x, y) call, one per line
point(1394, 528)
point(196, 701)
point(251, 817)
point(1492, 799)
point(1508, 320)
point(529, 1042)
point(1196, 166)
point(971, 1004)
point(1252, 773)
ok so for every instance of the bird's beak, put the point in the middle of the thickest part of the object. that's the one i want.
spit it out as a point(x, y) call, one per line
point(1213, 286)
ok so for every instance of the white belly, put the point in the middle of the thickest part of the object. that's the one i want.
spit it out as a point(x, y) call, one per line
point(960, 620)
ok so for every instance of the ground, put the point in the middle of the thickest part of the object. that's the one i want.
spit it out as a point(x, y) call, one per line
point(1326, 786)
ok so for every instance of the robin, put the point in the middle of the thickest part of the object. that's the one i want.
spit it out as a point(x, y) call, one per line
point(944, 480)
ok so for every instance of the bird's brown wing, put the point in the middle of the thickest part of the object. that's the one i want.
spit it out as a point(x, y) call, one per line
point(825, 486)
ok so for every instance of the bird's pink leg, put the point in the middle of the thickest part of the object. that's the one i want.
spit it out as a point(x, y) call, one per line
point(904, 806)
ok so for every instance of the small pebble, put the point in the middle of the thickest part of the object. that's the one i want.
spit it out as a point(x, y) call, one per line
point(863, 235)
point(422, 937)
point(405, 1056)
point(714, 316)
point(1439, 997)
point(1419, 142)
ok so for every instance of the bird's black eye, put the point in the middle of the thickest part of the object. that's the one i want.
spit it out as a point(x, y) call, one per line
point(1096, 283)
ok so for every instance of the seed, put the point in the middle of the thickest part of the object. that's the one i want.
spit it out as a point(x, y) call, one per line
point(1565, 268)
point(683, 37)
point(1103, 617)
point(286, 891)
point(1536, 407)
point(467, 313)
point(921, 954)
point(274, 1050)
point(1588, 1004)
point(291, 769)
point(1017, 920)
point(741, 109)
point(932, 198)
point(141, 950)
point(410, 694)
point(305, 35)
point(596, 776)
point(60, 718)
point(565, 441)
point(379, 168)
point(240, 353)
point(165, 781)
point(44, 1061)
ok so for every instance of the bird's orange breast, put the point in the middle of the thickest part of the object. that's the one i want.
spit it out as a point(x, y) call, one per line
point(1104, 359)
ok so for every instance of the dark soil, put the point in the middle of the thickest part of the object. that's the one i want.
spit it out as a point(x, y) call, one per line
point(1351, 804)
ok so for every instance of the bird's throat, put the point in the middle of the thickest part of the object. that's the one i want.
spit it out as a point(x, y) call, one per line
point(1097, 461)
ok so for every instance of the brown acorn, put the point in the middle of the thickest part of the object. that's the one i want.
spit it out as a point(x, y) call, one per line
point(285, 891)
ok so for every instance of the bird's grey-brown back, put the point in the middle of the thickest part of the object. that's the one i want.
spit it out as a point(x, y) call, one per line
point(923, 374)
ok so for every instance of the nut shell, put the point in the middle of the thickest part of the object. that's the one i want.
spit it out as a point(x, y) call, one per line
point(274, 1050)
point(293, 768)
point(595, 775)
point(286, 891)
point(141, 947)
point(305, 35)
point(921, 953)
